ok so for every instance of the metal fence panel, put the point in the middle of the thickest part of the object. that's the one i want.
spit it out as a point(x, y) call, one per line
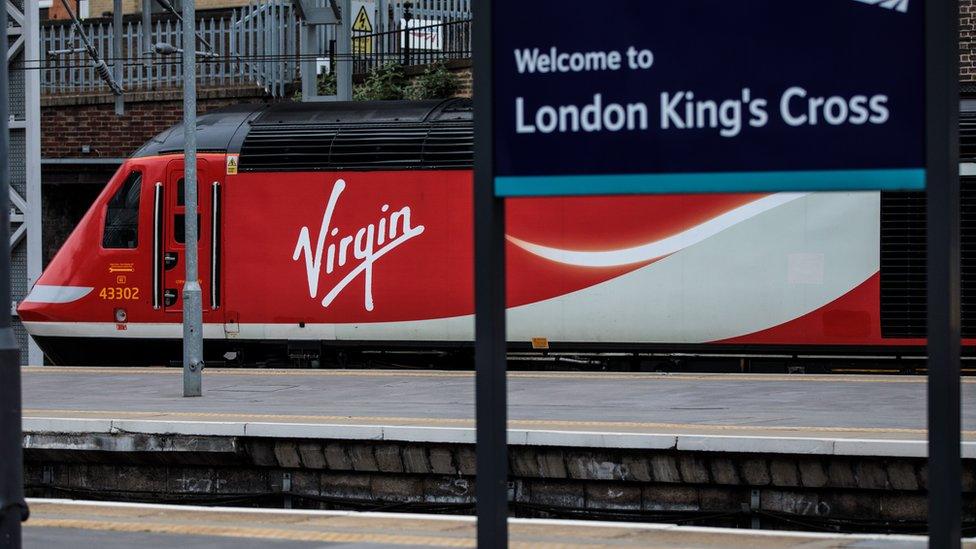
point(256, 44)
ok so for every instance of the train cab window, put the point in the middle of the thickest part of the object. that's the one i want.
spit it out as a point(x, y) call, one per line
point(122, 215)
point(179, 228)
point(181, 192)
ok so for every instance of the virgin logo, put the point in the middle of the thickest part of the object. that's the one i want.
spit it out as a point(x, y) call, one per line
point(365, 245)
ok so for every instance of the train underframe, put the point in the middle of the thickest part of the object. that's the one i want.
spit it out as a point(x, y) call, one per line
point(521, 356)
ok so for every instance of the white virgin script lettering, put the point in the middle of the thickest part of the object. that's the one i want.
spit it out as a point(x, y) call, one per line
point(369, 244)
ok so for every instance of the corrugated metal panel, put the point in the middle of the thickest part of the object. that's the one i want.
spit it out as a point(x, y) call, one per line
point(362, 147)
point(967, 135)
point(903, 262)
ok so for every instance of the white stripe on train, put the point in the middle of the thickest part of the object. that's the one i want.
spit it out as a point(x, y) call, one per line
point(737, 282)
point(41, 293)
point(662, 247)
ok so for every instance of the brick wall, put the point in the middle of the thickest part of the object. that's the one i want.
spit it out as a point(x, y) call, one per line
point(96, 8)
point(464, 75)
point(70, 123)
point(62, 206)
point(967, 40)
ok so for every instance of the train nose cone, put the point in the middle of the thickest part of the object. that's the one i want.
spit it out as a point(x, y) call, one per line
point(37, 305)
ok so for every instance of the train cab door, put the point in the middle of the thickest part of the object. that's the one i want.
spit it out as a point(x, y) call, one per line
point(173, 235)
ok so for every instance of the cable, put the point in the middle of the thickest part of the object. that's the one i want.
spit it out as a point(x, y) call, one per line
point(353, 56)
point(211, 56)
point(99, 64)
point(179, 17)
point(376, 59)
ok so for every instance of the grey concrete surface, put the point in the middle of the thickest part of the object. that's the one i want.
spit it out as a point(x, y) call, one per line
point(83, 525)
point(864, 403)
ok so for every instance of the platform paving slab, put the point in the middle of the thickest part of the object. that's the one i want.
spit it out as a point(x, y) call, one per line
point(820, 447)
point(793, 414)
point(82, 525)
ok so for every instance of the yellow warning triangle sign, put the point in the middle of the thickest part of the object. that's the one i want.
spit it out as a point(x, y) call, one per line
point(362, 21)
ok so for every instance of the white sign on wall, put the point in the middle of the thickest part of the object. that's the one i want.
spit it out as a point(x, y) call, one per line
point(425, 34)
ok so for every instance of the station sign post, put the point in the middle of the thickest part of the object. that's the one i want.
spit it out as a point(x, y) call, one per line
point(943, 276)
point(702, 96)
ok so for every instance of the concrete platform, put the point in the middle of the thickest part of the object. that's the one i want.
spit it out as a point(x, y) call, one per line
point(80, 525)
point(797, 414)
point(835, 451)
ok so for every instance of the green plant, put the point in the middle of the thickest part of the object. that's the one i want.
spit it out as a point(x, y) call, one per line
point(325, 85)
point(436, 82)
point(388, 82)
point(385, 82)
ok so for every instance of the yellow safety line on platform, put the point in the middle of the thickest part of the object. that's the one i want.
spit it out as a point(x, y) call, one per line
point(237, 531)
point(612, 376)
point(459, 422)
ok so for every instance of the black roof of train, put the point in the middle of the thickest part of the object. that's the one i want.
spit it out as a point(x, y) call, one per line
point(364, 135)
point(332, 135)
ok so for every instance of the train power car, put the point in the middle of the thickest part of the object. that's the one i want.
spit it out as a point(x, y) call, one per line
point(327, 227)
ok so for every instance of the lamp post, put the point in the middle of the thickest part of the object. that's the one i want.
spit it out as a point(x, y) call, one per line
point(192, 303)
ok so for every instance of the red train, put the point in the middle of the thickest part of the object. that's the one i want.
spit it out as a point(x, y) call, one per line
point(331, 227)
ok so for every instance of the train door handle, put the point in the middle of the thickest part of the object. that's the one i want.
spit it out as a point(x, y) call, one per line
point(169, 296)
point(157, 279)
point(170, 259)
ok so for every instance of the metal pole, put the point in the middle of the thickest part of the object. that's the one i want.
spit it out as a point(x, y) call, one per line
point(117, 53)
point(309, 68)
point(344, 54)
point(407, 17)
point(192, 303)
point(942, 192)
point(381, 41)
point(382, 18)
point(13, 509)
point(32, 159)
point(490, 391)
point(147, 41)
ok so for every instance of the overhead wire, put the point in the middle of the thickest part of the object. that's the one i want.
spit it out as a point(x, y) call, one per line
point(211, 57)
point(179, 17)
point(101, 68)
point(132, 62)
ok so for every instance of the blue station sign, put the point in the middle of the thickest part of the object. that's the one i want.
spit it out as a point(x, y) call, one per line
point(675, 96)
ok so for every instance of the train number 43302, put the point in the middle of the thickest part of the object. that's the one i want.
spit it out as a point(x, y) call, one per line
point(118, 292)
